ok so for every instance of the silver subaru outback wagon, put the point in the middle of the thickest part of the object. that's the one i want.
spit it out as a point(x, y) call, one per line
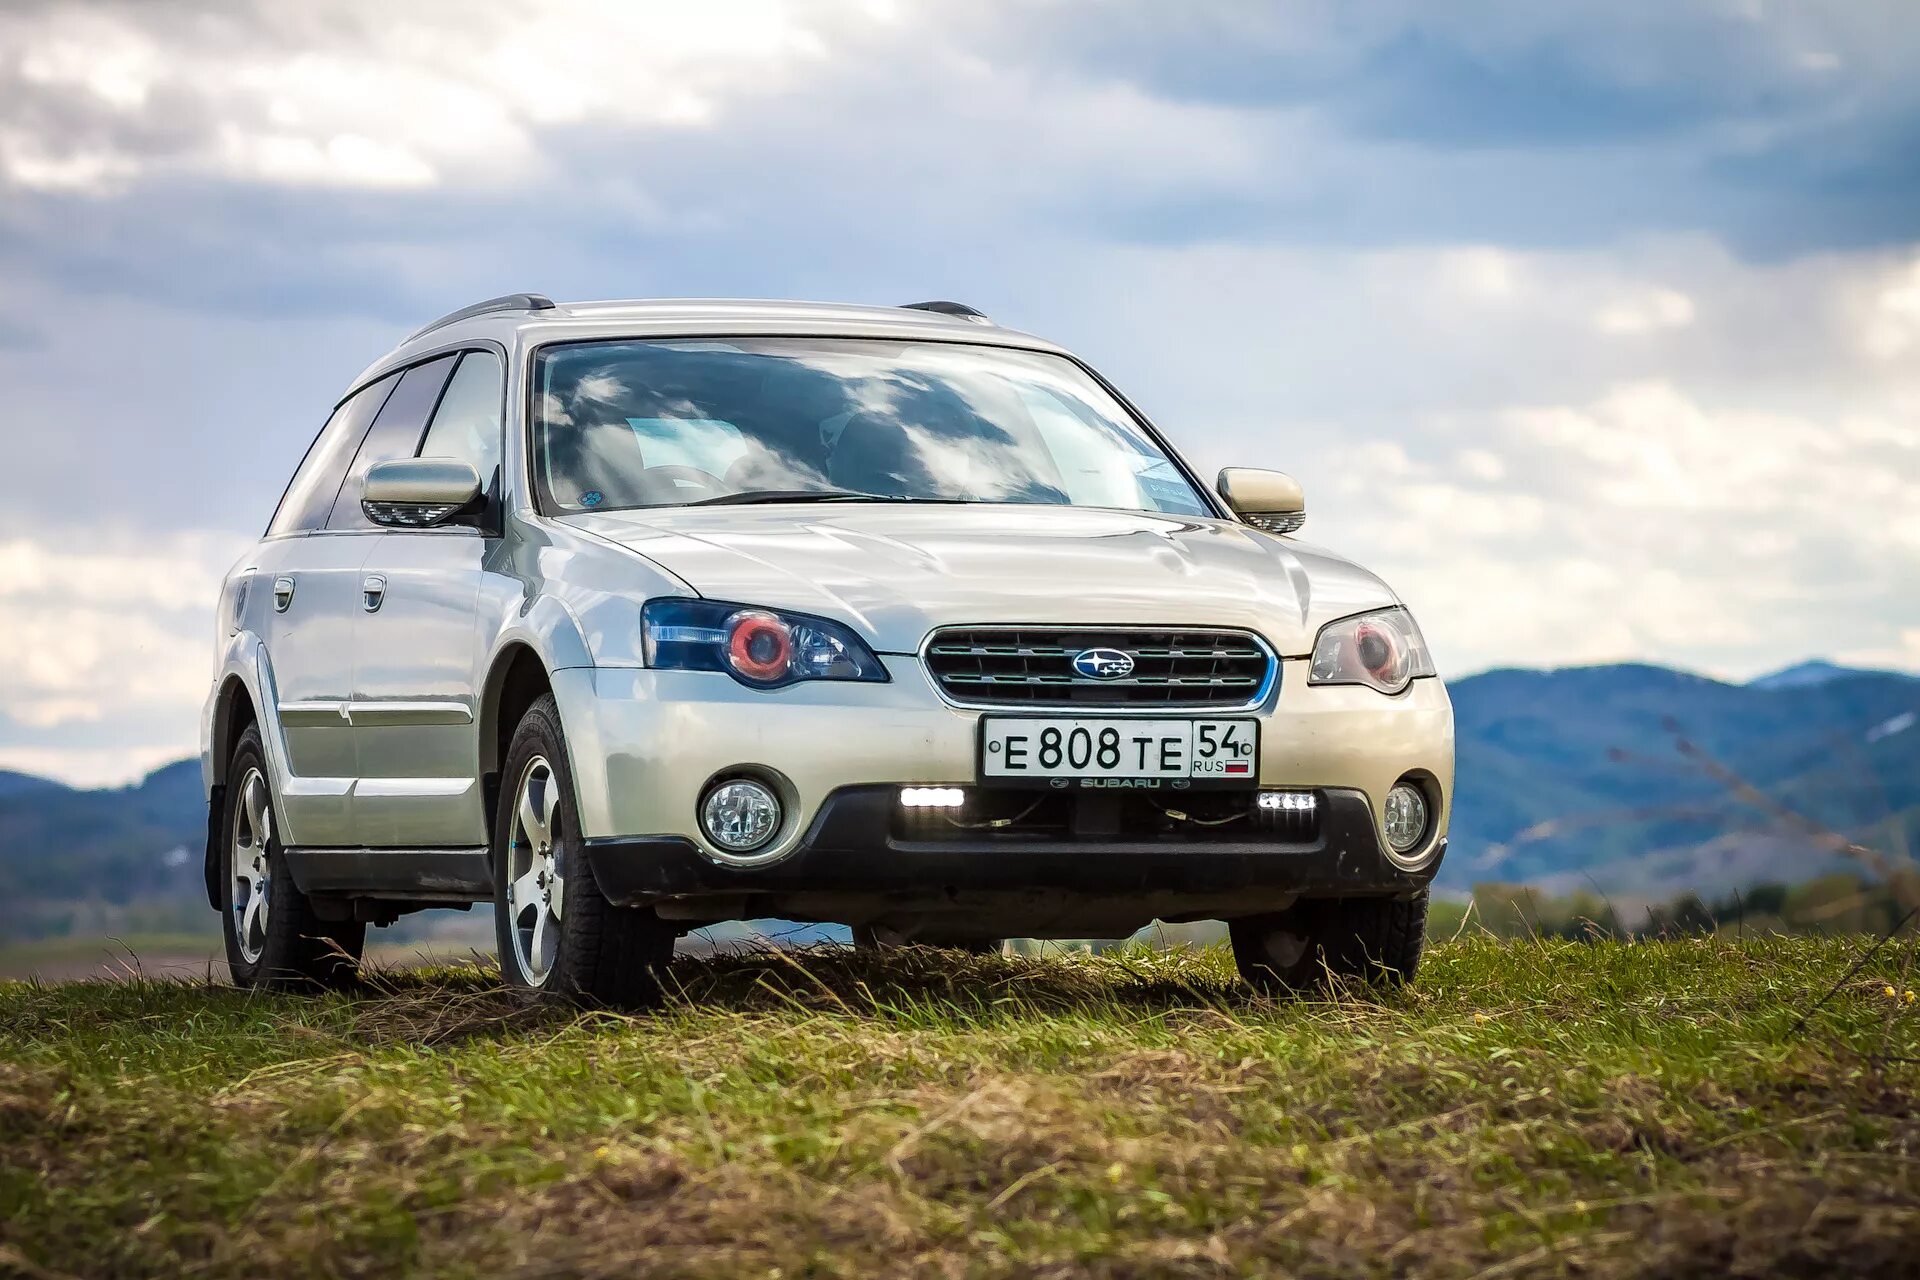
point(632, 617)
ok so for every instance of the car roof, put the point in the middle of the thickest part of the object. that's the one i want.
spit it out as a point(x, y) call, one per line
point(524, 319)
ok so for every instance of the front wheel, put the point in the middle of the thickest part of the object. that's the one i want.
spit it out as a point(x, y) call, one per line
point(1376, 940)
point(557, 933)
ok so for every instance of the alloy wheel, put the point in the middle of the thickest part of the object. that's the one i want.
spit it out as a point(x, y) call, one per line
point(252, 873)
point(536, 870)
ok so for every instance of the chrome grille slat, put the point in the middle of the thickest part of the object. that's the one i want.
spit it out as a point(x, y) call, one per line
point(1176, 667)
point(1146, 681)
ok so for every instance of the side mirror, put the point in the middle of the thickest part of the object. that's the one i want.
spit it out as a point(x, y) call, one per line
point(416, 493)
point(1269, 500)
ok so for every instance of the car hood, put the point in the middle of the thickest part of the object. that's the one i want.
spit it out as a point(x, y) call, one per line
point(896, 572)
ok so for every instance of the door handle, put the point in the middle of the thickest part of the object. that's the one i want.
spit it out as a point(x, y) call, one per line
point(282, 593)
point(373, 590)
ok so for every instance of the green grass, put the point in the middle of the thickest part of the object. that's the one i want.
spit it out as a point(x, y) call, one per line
point(1524, 1110)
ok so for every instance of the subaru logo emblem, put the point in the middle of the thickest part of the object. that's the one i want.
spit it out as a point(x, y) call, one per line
point(1103, 664)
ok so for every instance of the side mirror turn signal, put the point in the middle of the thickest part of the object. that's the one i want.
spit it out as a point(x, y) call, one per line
point(1269, 500)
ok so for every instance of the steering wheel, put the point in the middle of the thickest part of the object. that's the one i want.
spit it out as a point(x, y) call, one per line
point(677, 475)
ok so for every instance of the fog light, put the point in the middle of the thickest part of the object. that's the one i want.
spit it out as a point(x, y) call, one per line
point(1287, 801)
point(740, 815)
point(1406, 823)
point(932, 797)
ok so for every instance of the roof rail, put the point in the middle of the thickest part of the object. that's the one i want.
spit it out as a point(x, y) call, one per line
point(945, 308)
point(505, 302)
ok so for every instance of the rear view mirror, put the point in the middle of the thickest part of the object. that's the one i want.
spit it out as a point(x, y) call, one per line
point(1269, 500)
point(416, 493)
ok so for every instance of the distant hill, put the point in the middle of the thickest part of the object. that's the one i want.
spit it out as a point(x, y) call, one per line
point(1566, 778)
point(1815, 671)
point(88, 861)
point(17, 784)
point(1576, 772)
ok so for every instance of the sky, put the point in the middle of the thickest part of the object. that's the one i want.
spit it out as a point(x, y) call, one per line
point(1593, 327)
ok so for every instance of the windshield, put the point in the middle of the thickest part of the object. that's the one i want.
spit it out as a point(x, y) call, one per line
point(629, 423)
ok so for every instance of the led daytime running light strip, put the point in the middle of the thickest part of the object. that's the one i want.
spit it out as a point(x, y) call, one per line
point(932, 797)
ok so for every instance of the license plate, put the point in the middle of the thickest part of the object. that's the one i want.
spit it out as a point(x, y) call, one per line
point(1058, 751)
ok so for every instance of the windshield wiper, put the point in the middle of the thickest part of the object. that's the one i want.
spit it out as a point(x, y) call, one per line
point(746, 496)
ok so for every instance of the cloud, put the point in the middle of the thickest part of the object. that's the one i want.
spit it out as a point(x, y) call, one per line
point(1647, 312)
point(363, 94)
point(1902, 654)
point(1778, 128)
point(111, 640)
point(106, 631)
point(1647, 522)
point(347, 160)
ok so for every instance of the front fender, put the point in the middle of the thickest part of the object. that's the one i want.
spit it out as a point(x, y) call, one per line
point(547, 626)
point(547, 629)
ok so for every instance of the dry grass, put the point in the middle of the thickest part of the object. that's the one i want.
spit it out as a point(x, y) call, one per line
point(1526, 1110)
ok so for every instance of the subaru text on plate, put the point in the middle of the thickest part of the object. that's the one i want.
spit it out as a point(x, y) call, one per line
point(633, 617)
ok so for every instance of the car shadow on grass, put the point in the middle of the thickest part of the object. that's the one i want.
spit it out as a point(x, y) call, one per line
point(447, 1004)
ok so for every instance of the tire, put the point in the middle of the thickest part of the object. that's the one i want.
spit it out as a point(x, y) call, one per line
point(588, 951)
point(274, 940)
point(1375, 940)
point(867, 938)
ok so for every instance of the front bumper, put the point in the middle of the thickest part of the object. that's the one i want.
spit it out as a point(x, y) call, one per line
point(645, 744)
point(852, 848)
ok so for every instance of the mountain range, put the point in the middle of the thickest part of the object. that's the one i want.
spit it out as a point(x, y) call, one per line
point(1601, 777)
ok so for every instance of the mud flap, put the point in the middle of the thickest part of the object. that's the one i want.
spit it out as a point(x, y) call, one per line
point(216, 809)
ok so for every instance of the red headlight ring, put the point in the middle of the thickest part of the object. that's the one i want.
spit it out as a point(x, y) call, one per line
point(759, 646)
point(1378, 650)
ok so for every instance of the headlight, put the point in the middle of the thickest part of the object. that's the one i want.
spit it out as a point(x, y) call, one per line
point(763, 648)
point(1381, 650)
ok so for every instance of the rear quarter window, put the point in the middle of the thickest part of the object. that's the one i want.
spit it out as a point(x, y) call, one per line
point(310, 494)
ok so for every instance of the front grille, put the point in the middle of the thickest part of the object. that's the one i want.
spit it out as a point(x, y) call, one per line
point(1033, 666)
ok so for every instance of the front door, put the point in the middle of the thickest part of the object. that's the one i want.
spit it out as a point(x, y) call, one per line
point(416, 695)
point(419, 651)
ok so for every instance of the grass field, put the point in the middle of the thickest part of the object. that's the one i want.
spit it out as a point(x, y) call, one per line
point(1524, 1110)
point(191, 955)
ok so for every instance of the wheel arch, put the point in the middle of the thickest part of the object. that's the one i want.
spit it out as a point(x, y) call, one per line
point(234, 711)
point(516, 680)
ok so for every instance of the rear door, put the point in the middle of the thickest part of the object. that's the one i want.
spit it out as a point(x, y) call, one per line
point(312, 578)
point(419, 651)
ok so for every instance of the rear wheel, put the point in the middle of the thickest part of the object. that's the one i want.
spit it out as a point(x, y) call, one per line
point(557, 933)
point(1377, 940)
point(274, 939)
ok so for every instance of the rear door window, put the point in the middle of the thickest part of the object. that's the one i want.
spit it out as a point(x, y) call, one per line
point(396, 433)
point(309, 496)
